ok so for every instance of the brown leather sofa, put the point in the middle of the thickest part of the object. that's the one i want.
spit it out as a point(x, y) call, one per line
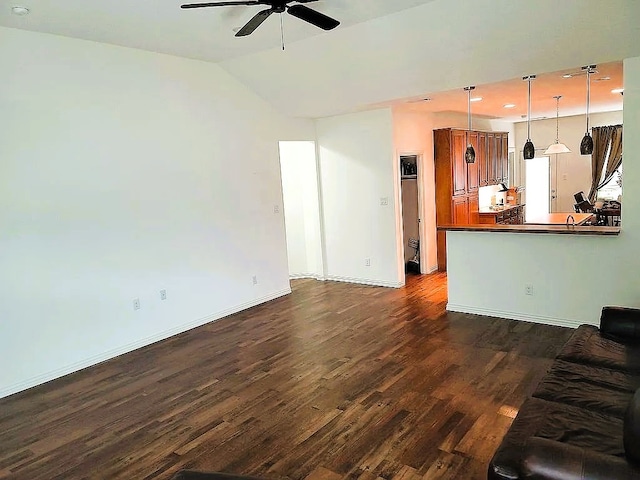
point(583, 420)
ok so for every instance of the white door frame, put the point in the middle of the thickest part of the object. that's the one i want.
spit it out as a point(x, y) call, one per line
point(422, 230)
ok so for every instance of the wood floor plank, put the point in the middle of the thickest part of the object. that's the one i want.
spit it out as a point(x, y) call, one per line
point(335, 381)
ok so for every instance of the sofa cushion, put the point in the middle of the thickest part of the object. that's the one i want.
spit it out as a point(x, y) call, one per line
point(631, 431)
point(560, 422)
point(587, 346)
point(592, 388)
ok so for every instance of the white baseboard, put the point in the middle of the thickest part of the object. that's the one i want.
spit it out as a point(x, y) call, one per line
point(94, 360)
point(432, 269)
point(558, 322)
point(363, 281)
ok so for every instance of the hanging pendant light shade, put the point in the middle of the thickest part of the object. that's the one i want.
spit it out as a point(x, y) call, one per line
point(586, 145)
point(557, 147)
point(529, 151)
point(470, 153)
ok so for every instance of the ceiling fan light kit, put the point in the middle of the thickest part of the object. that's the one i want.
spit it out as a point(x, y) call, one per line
point(557, 147)
point(470, 153)
point(529, 150)
point(586, 145)
point(300, 11)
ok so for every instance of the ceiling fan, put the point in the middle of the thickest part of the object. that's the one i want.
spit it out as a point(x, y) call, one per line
point(275, 6)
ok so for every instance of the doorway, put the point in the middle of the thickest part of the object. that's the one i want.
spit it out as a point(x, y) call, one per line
point(411, 196)
point(301, 202)
point(537, 187)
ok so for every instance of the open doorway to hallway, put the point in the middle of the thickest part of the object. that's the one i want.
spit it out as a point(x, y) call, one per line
point(411, 195)
point(301, 202)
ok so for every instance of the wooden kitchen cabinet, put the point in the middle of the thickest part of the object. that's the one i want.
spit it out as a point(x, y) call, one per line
point(473, 171)
point(460, 210)
point(510, 215)
point(474, 216)
point(457, 183)
point(497, 159)
point(459, 164)
point(481, 159)
point(504, 158)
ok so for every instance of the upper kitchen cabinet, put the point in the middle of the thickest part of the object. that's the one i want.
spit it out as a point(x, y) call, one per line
point(473, 172)
point(458, 163)
point(504, 158)
point(481, 159)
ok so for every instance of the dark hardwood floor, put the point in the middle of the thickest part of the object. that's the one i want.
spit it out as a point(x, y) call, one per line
point(335, 381)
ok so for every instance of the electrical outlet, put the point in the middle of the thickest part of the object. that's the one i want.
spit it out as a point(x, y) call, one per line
point(163, 294)
point(528, 289)
point(136, 304)
point(276, 209)
point(384, 201)
point(367, 262)
point(255, 279)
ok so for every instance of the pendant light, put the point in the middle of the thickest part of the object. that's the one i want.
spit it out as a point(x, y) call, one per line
point(470, 153)
point(586, 145)
point(529, 151)
point(557, 147)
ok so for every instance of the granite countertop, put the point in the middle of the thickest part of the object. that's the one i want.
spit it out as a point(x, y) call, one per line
point(497, 209)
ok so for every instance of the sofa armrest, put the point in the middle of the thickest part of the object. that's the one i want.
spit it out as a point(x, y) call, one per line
point(545, 459)
point(620, 324)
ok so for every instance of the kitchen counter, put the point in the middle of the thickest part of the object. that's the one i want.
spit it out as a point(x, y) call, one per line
point(532, 228)
point(497, 209)
point(560, 218)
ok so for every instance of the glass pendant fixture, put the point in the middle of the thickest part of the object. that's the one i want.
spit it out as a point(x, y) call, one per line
point(529, 151)
point(586, 145)
point(557, 147)
point(470, 153)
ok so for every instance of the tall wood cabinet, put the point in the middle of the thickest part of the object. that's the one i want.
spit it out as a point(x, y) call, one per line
point(457, 182)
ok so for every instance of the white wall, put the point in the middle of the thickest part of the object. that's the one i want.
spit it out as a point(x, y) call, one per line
point(573, 170)
point(125, 172)
point(573, 277)
point(413, 134)
point(357, 171)
point(301, 209)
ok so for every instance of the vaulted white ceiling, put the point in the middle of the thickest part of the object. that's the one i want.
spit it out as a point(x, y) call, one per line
point(204, 34)
point(384, 52)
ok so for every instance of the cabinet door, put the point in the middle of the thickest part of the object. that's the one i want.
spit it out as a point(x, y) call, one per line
point(474, 215)
point(492, 158)
point(498, 157)
point(459, 166)
point(481, 159)
point(473, 172)
point(460, 210)
point(504, 157)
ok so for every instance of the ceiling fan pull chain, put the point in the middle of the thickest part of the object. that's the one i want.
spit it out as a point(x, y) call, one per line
point(282, 31)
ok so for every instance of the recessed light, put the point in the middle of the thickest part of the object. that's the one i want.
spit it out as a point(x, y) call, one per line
point(20, 11)
point(567, 75)
point(602, 79)
point(617, 90)
point(476, 99)
point(509, 105)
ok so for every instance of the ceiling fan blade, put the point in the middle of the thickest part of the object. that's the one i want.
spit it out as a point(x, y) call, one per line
point(221, 4)
point(313, 17)
point(254, 23)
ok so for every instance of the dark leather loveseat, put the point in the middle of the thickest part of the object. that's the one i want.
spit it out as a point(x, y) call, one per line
point(583, 420)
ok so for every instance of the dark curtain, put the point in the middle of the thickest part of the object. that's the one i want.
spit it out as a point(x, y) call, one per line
point(605, 160)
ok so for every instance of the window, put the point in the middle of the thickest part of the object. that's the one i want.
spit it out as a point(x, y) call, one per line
point(613, 188)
